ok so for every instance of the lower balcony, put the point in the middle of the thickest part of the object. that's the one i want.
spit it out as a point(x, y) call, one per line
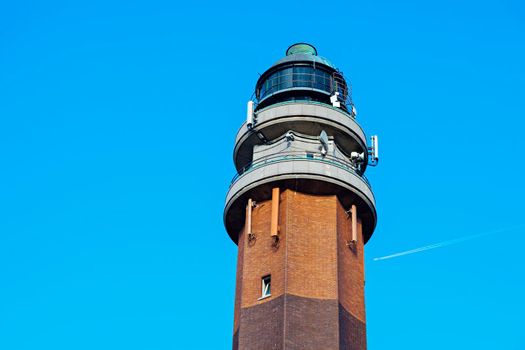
point(304, 172)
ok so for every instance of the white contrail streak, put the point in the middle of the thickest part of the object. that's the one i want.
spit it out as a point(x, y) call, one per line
point(446, 243)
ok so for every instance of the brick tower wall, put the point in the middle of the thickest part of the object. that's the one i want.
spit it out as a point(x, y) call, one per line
point(317, 280)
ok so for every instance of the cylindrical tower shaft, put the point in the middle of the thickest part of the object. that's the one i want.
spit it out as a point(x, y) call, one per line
point(301, 211)
point(316, 300)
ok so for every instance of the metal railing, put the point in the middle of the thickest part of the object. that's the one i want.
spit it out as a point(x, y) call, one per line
point(348, 114)
point(300, 156)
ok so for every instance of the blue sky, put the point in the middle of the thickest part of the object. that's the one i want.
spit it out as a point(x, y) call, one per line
point(117, 122)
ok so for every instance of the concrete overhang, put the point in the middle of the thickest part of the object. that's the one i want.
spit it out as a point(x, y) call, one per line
point(304, 117)
point(304, 175)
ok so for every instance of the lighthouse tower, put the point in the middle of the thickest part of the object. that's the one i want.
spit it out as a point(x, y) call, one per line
point(301, 210)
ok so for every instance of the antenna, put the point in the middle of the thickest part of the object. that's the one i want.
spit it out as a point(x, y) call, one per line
point(249, 115)
point(373, 151)
point(334, 99)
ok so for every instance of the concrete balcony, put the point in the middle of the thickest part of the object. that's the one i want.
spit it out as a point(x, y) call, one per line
point(302, 172)
point(304, 117)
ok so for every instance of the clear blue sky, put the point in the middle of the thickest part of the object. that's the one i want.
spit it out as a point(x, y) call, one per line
point(117, 122)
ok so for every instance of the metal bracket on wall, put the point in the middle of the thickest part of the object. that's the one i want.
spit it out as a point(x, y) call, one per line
point(261, 136)
point(352, 214)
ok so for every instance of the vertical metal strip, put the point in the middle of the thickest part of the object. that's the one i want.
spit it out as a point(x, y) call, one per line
point(354, 223)
point(249, 217)
point(274, 228)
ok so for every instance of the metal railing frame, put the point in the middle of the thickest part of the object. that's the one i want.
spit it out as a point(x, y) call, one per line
point(300, 156)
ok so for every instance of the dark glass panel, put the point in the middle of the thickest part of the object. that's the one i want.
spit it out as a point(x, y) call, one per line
point(300, 76)
point(286, 79)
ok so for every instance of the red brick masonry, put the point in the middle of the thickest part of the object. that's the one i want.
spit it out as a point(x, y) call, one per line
point(317, 290)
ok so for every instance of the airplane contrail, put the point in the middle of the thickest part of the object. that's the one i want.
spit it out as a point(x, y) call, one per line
point(446, 243)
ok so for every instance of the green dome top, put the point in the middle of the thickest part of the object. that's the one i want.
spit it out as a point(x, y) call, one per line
point(301, 48)
point(303, 52)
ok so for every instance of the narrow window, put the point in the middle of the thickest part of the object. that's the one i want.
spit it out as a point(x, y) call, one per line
point(266, 285)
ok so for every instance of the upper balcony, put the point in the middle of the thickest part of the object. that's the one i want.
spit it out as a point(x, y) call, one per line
point(304, 117)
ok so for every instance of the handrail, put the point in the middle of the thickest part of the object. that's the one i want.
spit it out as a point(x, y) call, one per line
point(300, 156)
point(308, 102)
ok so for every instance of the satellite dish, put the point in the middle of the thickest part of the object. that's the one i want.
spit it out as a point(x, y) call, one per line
point(323, 138)
point(324, 142)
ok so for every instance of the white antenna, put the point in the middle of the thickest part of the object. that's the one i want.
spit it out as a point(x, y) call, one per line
point(373, 151)
point(334, 99)
point(375, 147)
point(249, 115)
